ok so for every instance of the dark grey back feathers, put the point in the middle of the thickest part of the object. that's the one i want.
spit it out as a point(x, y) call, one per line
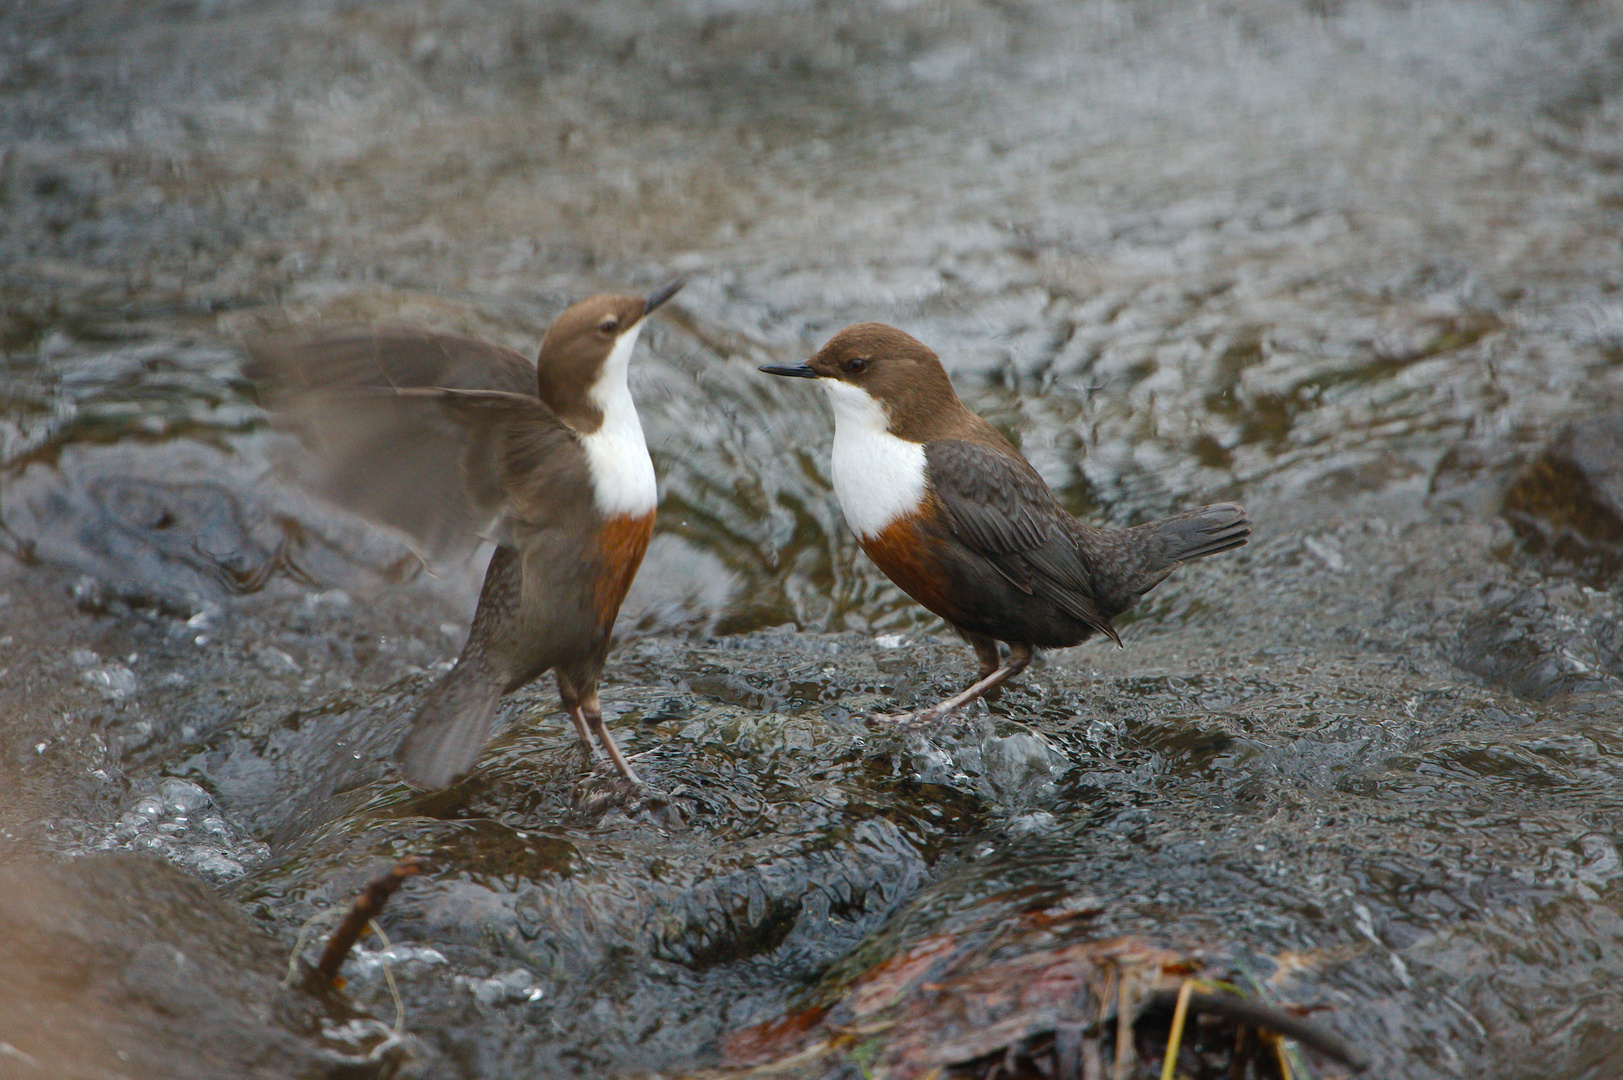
point(999, 508)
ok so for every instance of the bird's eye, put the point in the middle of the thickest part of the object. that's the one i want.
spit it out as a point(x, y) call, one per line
point(856, 364)
point(609, 324)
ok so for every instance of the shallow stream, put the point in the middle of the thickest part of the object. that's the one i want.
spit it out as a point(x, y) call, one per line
point(1357, 265)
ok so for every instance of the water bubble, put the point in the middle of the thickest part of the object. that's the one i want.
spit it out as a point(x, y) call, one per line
point(1019, 764)
point(114, 681)
point(1033, 824)
point(216, 864)
point(514, 987)
point(183, 797)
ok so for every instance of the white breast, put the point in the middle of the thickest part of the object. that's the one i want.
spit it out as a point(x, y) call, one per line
point(622, 473)
point(877, 477)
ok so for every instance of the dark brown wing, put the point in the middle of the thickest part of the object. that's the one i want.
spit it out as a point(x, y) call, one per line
point(525, 469)
point(418, 462)
point(519, 461)
point(297, 363)
point(1000, 509)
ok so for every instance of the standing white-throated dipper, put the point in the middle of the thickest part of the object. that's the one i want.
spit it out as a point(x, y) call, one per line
point(964, 525)
point(451, 439)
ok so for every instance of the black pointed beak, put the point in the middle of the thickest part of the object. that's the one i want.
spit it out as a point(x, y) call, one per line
point(660, 295)
point(797, 371)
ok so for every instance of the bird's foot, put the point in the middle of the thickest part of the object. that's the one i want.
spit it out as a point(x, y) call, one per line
point(989, 681)
point(667, 810)
point(605, 791)
point(603, 788)
point(620, 769)
point(907, 721)
point(605, 759)
point(605, 784)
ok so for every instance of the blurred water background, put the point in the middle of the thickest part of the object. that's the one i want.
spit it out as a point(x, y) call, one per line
point(1356, 264)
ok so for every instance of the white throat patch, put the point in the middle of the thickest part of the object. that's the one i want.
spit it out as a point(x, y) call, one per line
point(877, 477)
point(623, 483)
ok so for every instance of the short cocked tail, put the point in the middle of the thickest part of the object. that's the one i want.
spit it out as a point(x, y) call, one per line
point(1203, 531)
point(1140, 558)
point(450, 729)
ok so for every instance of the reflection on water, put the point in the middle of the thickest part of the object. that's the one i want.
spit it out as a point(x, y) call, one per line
point(1353, 264)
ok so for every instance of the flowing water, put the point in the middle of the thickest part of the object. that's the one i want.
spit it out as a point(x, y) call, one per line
point(1355, 264)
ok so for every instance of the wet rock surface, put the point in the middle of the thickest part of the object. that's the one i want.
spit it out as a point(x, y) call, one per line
point(1356, 266)
point(121, 965)
point(1569, 502)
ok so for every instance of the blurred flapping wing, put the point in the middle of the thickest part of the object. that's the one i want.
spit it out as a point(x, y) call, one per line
point(438, 436)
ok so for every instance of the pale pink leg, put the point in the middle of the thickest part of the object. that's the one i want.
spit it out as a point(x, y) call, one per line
point(1019, 657)
point(582, 730)
point(593, 710)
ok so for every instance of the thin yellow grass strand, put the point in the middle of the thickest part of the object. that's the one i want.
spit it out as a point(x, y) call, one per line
point(1169, 1063)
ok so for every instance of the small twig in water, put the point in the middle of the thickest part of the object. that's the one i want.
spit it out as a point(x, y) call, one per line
point(359, 916)
point(365, 908)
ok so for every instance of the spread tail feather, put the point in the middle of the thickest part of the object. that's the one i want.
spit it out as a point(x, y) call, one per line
point(1162, 546)
point(450, 729)
point(1203, 531)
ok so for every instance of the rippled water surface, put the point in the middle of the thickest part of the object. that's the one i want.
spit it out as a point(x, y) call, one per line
point(1357, 265)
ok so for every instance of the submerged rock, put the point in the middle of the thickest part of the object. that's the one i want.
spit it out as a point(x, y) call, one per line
point(1568, 504)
